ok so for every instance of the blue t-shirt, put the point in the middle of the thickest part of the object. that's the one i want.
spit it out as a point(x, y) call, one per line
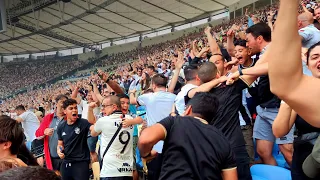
point(133, 112)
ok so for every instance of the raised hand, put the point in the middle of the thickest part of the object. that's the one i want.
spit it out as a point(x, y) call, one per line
point(234, 77)
point(180, 61)
point(207, 30)
point(230, 33)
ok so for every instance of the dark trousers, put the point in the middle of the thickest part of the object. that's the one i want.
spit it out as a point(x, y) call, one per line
point(75, 170)
point(302, 150)
point(56, 163)
point(154, 168)
point(242, 160)
point(117, 178)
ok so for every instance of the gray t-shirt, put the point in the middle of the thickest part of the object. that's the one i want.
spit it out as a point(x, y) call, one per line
point(53, 140)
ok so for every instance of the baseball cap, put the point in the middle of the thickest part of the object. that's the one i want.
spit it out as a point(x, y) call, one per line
point(311, 165)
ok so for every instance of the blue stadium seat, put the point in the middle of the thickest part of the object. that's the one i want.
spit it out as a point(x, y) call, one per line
point(276, 154)
point(267, 172)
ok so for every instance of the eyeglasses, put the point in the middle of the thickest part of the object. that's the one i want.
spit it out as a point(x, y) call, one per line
point(104, 105)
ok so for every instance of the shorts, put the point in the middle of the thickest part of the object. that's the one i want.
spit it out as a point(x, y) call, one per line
point(262, 128)
point(135, 143)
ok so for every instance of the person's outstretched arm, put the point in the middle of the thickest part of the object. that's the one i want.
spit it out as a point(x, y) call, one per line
point(300, 92)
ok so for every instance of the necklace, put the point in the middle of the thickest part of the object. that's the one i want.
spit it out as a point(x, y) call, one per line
point(202, 120)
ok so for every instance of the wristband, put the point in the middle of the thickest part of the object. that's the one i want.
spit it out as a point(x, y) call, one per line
point(107, 80)
point(240, 71)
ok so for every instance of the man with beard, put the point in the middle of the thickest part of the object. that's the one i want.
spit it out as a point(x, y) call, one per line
point(258, 39)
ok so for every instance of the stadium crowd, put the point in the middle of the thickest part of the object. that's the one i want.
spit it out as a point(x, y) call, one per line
point(253, 78)
point(15, 76)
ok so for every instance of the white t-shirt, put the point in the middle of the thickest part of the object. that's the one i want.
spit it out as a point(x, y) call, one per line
point(118, 160)
point(180, 101)
point(158, 106)
point(30, 124)
point(85, 109)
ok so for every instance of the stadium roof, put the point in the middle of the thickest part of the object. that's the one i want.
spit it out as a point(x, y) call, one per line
point(49, 25)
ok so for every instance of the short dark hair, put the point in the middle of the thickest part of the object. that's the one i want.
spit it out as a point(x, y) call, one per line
point(207, 72)
point(260, 29)
point(68, 102)
point(152, 68)
point(190, 72)
point(11, 131)
point(204, 105)
point(30, 173)
point(123, 96)
point(160, 80)
point(21, 108)
point(61, 96)
point(310, 49)
point(240, 42)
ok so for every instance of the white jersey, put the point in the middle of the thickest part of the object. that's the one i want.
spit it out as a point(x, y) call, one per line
point(85, 109)
point(30, 124)
point(180, 98)
point(118, 160)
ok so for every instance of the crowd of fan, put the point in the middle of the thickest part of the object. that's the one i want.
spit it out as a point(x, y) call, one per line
point(15, 76)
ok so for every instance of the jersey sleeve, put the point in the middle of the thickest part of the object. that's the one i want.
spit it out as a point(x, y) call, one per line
point(229, 161)
point(23, 116)
point(306, 34)
point(167, 123)
point(59, 129)
point(143, 99)
point(98, 126)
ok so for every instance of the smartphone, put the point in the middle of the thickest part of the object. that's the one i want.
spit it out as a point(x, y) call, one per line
point(61, 150)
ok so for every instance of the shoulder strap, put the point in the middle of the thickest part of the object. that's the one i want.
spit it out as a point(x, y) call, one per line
point(110, 142)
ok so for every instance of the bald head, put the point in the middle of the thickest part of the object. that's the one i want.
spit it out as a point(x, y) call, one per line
point(207, 72)
point(306, 18)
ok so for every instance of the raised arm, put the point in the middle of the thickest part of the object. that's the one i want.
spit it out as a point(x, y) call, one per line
point(214, 47)
point(300, 92)
point(230, 45)
point(206, 87)
point(284, 121)
point(175, 77)
point(113, 85)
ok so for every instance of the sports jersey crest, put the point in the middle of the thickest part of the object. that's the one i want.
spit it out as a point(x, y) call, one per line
point(77, 130)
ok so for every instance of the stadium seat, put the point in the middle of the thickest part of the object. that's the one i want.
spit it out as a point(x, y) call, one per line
point(276, 154)
point(267, 172)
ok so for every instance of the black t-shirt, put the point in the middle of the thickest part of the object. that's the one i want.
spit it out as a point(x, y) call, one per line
point(304, 127)
point(74, 138)
point(194, 150)
point(227, 117)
